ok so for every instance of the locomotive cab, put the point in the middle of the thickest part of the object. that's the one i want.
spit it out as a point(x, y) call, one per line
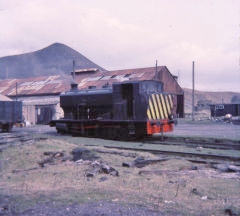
point(145, 104)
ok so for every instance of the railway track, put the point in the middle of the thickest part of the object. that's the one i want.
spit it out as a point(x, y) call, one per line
point(6, 138)
point(203, 150)
point(195, 142)
point(194, 149)
point(199, 157)
point(16, 138)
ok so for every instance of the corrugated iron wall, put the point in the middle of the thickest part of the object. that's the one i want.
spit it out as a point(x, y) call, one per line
point(29, 114)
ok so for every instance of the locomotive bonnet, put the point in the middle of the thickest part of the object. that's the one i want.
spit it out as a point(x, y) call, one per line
point(124, 109)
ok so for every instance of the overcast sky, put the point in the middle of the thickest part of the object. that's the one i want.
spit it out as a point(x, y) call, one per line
point(133, 34)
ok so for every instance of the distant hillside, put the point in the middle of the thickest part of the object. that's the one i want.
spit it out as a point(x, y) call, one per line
point(52, 60)
point(204, 97)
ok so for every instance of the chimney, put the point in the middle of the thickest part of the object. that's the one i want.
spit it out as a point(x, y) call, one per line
point(74, 86)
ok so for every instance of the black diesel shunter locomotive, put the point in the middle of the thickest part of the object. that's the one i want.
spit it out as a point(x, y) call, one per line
point(125, 109)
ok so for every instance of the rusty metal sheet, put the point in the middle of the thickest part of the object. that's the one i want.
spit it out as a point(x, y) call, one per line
point(33, 86)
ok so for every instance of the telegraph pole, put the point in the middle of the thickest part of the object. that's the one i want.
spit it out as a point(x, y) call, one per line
point(156, 66)
point(73, 70)
point(193, 92)
point(16, 91)
point(7, 73)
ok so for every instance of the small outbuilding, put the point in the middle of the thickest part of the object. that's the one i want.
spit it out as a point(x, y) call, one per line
point(218, 110)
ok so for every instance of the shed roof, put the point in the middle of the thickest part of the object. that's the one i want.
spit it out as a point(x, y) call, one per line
point(160, 73)
point(35, 86)
point(52, 85)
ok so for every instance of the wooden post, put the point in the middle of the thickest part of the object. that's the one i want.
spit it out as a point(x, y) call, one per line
point(193, 89)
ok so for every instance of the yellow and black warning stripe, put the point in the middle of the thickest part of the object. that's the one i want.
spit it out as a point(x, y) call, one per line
point(160, 106)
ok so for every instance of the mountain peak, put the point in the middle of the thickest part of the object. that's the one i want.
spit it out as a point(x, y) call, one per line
point(56, 45)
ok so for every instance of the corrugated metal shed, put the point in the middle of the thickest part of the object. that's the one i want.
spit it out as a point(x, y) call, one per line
point(39, 96)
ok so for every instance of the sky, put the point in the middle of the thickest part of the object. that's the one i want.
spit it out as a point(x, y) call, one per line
point(134, 34)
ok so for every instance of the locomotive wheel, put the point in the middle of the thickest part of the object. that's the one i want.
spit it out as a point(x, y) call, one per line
point(113, 133)
point(107, 133)
point(102, 133)
point(122, 134)
point(7, 128)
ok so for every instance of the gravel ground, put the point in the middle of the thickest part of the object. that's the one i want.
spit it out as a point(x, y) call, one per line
point(219, 130)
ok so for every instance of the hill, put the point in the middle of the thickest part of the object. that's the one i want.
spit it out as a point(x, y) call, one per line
point(52, 60)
